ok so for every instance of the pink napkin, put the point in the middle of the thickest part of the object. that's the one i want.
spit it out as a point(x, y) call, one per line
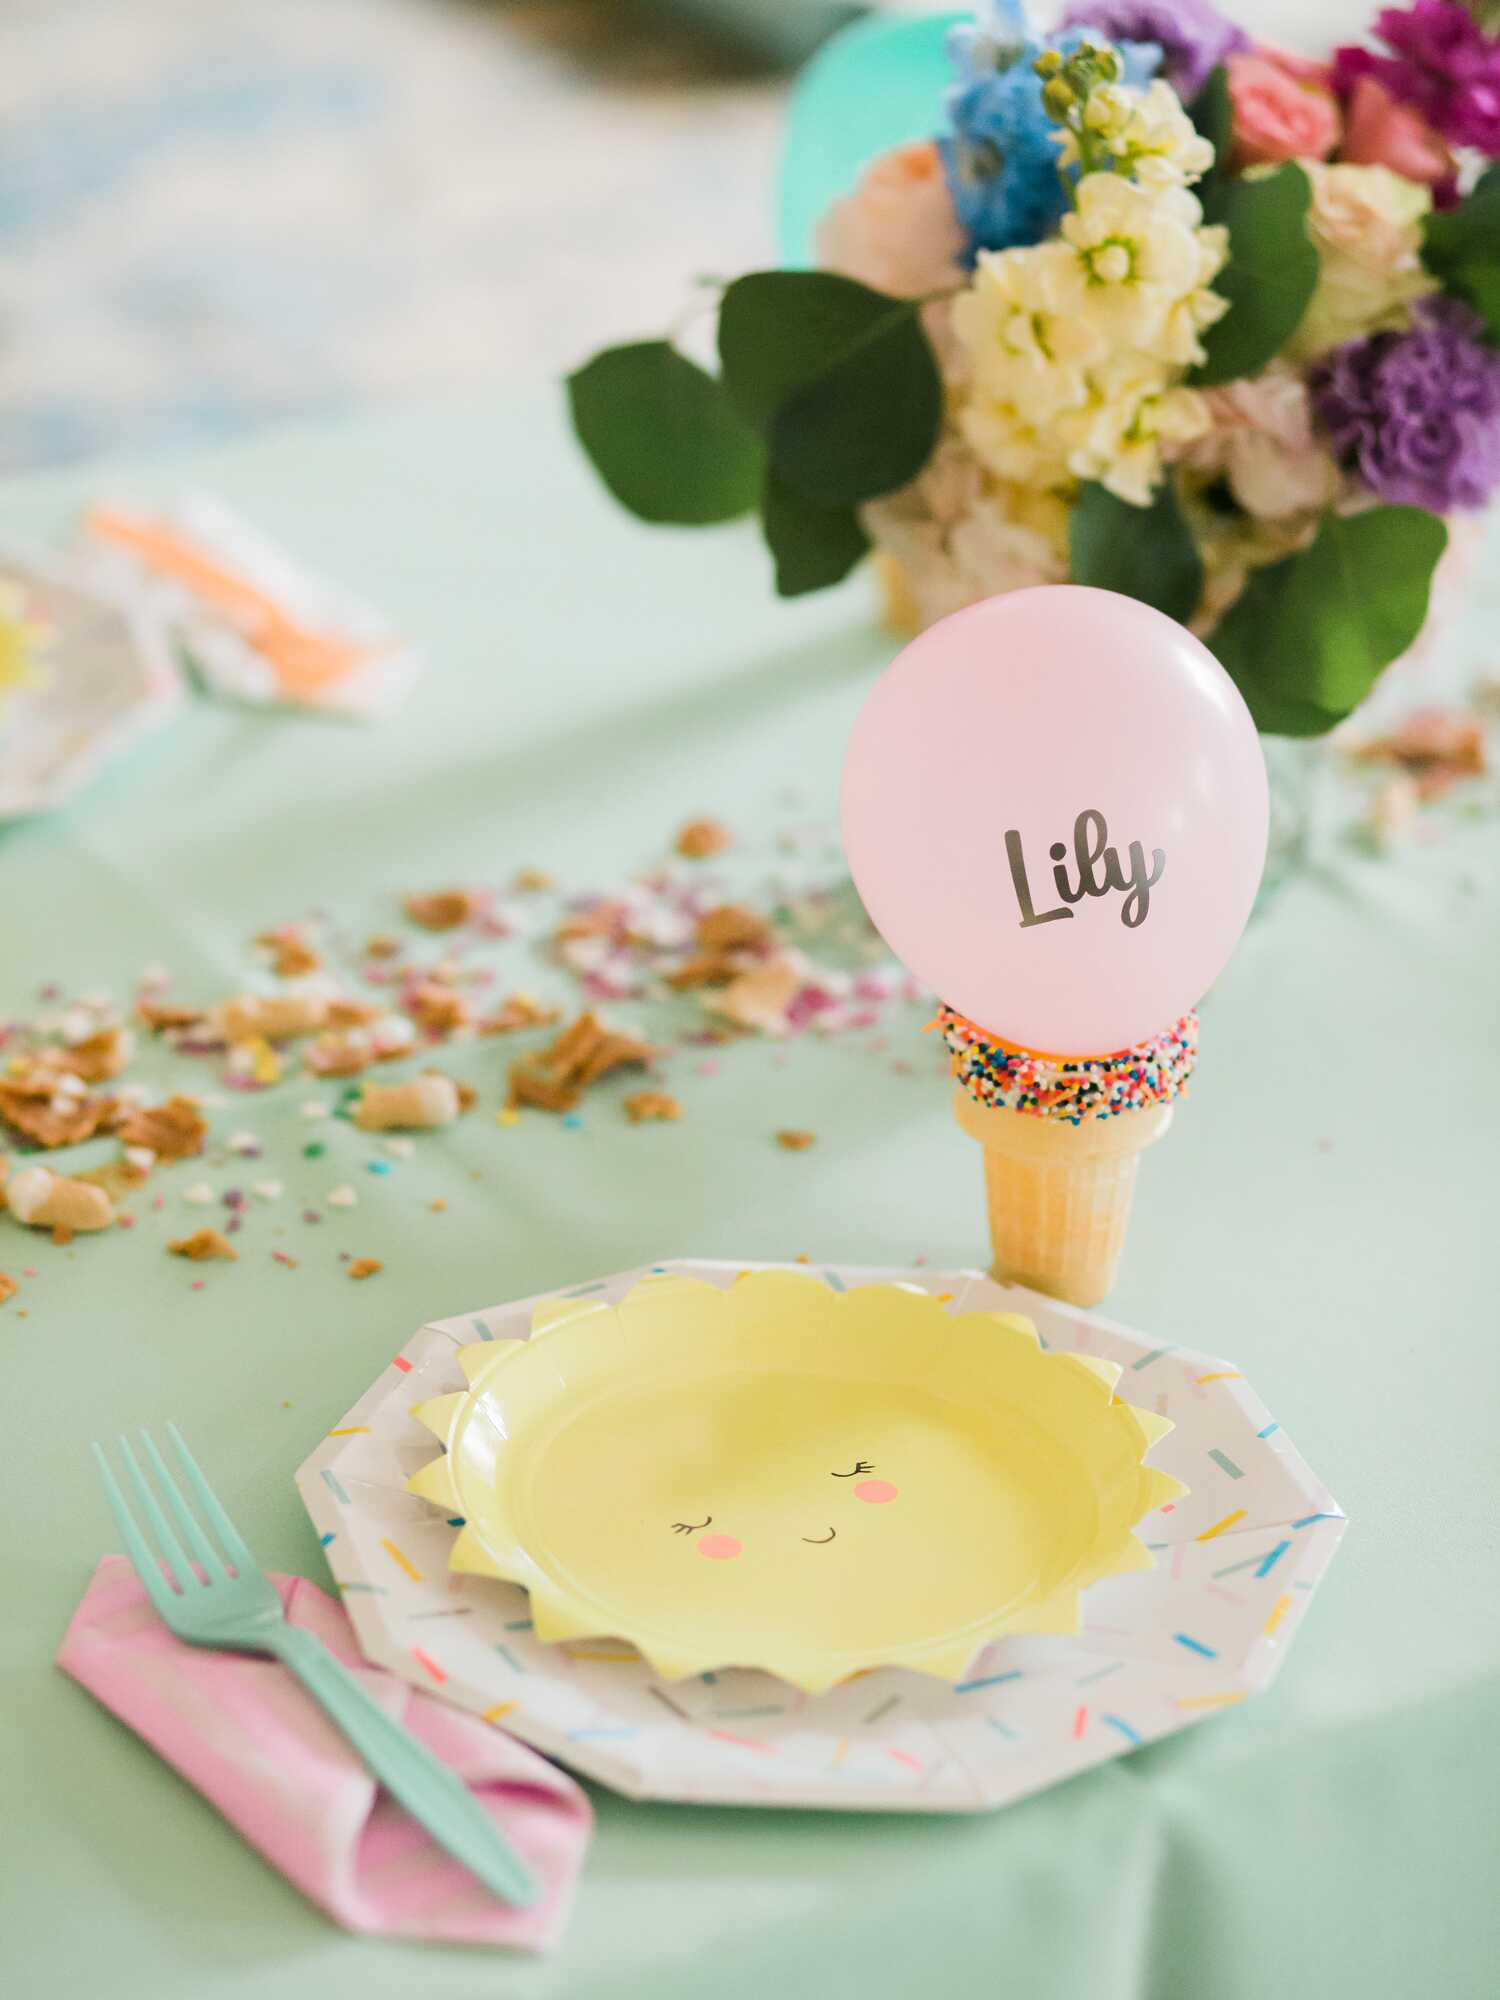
point(260, 1749)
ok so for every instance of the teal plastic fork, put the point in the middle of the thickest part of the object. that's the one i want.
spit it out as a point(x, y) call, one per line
point(226, 1600)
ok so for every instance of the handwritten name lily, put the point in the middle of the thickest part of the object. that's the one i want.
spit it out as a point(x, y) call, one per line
point(1099, 871)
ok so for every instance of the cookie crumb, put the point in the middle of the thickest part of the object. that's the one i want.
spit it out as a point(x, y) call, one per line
point(531, 881)
point(202, 1245)
point(8, 1287)
point(174, 1130)
point(647, 1105)
point(796, 1142)
point(701, 838)
point(444, 910)
point(365, 1267)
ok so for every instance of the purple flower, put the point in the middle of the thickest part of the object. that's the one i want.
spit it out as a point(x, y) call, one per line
point(1444, 64)
point(1193, 35)
point(1417, 414)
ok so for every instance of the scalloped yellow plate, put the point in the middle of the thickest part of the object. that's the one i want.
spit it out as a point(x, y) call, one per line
point(785, 1476)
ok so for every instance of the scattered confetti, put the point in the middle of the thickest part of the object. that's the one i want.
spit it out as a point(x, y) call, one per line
point(342, 1196)
point(200, 1194)
point(314, 1108)
point(266, 1190)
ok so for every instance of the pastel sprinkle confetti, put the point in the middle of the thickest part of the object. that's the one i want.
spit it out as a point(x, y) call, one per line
point(314, 1108)
point(266, 1190)
point(342, 1196)
point(377, 1166)
point(200, 1194)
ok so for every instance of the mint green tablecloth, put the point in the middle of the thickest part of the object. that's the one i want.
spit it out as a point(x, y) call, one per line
point(1325, 1213)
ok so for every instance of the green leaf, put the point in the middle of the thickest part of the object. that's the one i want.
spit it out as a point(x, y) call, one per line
point(1143, 552)
point(841, 380)
point(1461, 247)
point(664, 437)
point(1308, 637)
point(1213, 115)
point(813, 545)
point(1270, 276)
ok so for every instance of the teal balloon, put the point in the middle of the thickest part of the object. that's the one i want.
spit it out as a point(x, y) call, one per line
point(874, 85)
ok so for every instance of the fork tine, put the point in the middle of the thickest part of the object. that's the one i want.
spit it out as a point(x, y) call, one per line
point(208, 1500)
point(146, 1566)
point(208, 1556)
point(161, 1527)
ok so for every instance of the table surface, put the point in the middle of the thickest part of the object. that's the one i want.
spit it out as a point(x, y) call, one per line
point(1323, 1213)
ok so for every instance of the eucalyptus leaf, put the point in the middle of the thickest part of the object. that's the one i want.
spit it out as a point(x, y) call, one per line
point(1213, 114)
point(664, 437)
point(841, 381)
point(813, 545)
point(1143, 552)
point(1270, 276)
point(1461, 247)
point(1309, 636)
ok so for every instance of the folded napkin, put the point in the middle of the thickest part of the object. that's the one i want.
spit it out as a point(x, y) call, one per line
point(258, 626)
point(246, 1734)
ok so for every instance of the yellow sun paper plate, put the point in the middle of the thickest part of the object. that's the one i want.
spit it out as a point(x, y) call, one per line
point(785, 1476)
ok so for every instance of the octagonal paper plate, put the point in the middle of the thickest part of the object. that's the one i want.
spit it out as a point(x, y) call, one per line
point(1236, 1559)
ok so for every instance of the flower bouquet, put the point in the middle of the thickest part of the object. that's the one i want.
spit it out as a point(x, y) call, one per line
point(1161, 310)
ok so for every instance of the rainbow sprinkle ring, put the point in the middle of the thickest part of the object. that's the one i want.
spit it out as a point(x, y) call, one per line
point(1013, 1079)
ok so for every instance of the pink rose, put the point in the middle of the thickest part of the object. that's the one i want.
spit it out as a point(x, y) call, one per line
point(1379, 132)
point(897, 232)
point(1278, 116)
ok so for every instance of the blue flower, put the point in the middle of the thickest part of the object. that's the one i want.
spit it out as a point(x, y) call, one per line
point(1001, 156)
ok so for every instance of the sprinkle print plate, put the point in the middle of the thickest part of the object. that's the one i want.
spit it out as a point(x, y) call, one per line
point(711, 1473)
point(1237, 1557)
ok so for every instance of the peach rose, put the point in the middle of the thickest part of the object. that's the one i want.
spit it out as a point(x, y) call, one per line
point(897, 232)
point(1379, 132)
point(1278, 116)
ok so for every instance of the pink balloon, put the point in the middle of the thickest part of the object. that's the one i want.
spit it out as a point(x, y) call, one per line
point(1055, 807)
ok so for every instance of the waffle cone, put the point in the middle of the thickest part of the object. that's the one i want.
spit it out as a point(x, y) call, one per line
point(1059, 1194)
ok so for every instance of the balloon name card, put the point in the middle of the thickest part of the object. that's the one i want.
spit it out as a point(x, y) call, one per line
point(1090, 834)
point(1055, 810)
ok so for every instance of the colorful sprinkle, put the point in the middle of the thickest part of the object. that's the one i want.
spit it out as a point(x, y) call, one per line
point(1196, 1646)
point(1222, 1527)
point(1223, 1460)
point(1013, 1079)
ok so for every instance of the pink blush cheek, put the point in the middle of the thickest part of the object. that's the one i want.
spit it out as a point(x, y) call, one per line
point(719, 1547)
point(876, 1491)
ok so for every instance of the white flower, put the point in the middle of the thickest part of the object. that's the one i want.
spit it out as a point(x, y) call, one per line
point(1136, 408)
point(1022, 339)
point(1146, 133)
point(1141, 265)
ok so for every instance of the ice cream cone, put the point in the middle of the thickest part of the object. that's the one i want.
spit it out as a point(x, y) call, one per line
point(1059, 1193)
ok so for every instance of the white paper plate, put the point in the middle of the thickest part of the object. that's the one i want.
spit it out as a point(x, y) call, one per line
point(1237, 1561)
point(109, 677)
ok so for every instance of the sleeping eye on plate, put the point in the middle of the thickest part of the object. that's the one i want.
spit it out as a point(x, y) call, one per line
point(690, 1527)
point(860, 1465)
